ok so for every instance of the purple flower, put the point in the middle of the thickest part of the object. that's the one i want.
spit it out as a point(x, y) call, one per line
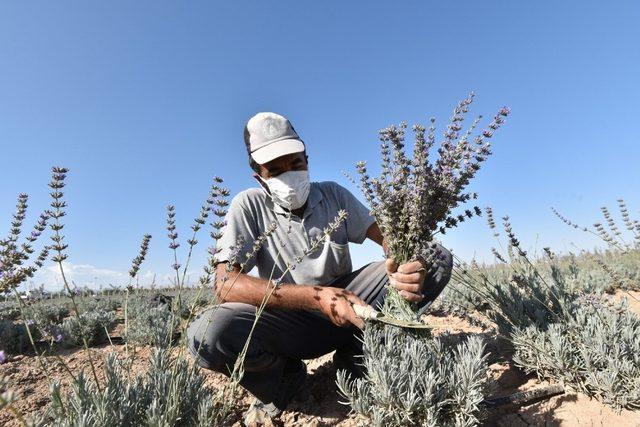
point(30, 322)
point(3, 357)
point(59, 337)
point(176, 266)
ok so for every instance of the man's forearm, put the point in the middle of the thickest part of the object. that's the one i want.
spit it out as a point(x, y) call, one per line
point(240, 287)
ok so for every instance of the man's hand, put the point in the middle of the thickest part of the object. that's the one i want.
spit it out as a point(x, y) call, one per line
point(336, 304)
point(407, 278)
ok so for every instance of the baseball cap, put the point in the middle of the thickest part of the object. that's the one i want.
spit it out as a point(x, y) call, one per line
point(271, 136)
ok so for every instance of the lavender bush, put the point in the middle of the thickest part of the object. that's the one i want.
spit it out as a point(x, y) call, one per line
point(413, 381)
point(170, 393)
point(414, 200)
point(560, 329)
point(91, 328)
point(596, 350)
point(150, 323)
point(46, 317)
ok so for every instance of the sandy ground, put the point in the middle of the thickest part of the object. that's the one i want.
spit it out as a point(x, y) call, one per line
point(319, 404)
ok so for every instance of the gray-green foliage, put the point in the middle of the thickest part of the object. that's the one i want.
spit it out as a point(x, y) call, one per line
point(102, 303)
point(46, 316)
point(92, 325)
point(605, 270)
point(596, 349)
point(584, 273)
point(150, 322)
point(518, 295)
point(559, 324)
point(413, 380)
point(171, 393)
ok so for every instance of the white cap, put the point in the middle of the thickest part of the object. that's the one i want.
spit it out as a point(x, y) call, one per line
point(271, 136)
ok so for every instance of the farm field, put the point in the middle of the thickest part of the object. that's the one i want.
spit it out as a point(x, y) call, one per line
point(318, 403)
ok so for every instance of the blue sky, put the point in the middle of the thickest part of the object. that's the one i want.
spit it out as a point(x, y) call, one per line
point(145, 102)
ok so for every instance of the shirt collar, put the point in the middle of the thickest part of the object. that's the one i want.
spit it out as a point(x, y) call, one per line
point(315, 197)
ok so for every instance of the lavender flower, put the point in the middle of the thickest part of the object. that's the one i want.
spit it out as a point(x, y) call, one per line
point(217, 197)
point(142, 254)
point(614, 237)
point(3, 357)
point(171, 227)
point(14, 255)
point(414, 199)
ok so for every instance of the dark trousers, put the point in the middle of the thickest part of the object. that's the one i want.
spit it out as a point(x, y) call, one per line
point(218, 334)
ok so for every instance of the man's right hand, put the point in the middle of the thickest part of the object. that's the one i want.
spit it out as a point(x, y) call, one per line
point(337, 305)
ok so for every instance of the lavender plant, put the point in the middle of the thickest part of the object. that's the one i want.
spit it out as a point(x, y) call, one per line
point(46, 319)
point(623, 242)
point(14, 271)
point(215, 203)
point(413, 200)
point(139, 259)
point(91, 328)
point(611, 234)
point(559, 330)
point(596, 351)
point(74, 329)
point(172, 392)
point(413, 381)
point(150, 323)
point(519, 293)
point(14, 255)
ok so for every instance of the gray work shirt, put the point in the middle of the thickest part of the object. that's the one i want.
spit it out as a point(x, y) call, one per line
point(252, 211)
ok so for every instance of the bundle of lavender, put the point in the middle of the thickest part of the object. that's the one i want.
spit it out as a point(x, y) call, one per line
point(413, 200)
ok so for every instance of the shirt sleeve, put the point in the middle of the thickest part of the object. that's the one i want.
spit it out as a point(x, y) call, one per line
point(238, 235)
point(358, 217)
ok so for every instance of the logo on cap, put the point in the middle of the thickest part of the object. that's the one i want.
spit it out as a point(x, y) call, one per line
point(272, 128)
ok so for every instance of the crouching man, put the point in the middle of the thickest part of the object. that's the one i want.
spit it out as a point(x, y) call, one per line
point(310, 313)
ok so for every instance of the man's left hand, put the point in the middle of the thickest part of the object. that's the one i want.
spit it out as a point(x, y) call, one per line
point(407, 278)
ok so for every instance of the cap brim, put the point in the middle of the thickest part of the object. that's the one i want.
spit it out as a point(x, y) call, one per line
point(277, 149)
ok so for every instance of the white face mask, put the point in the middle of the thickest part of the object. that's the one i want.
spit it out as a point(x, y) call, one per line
point(289, 189)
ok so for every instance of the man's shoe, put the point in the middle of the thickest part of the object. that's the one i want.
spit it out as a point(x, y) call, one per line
point(259, 413)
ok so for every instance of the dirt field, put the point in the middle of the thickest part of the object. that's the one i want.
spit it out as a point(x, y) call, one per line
point(319, 406)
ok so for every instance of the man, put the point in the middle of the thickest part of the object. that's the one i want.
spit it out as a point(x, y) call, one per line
point(310, 313)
